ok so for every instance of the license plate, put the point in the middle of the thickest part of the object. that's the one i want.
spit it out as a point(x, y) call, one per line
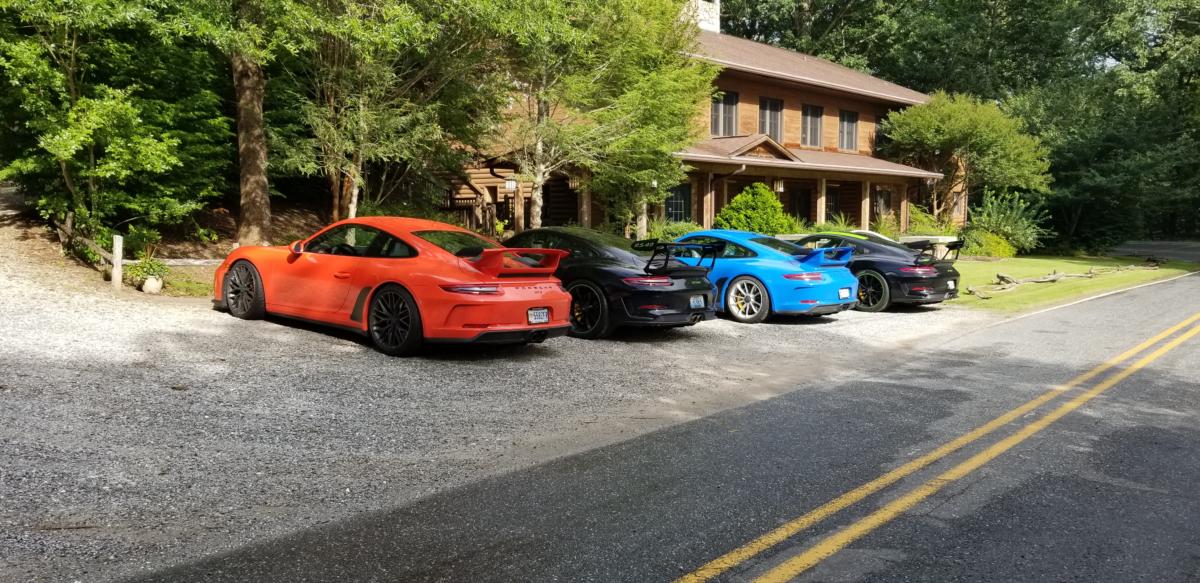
point(697, 302)
point(844, 293)
point(539, 315)
point(950, 284)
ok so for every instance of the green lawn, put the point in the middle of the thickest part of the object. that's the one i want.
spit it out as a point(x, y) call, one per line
point(1039, 295)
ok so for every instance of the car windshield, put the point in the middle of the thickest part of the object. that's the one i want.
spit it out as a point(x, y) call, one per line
point(781, 245)
point(455, 241)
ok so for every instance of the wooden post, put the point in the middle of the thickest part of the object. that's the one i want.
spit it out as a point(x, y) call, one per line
point(864, 217)
point(708, 203)
point(820, 218)
point(118, 255)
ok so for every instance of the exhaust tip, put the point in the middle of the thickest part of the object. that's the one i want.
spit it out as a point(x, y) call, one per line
point(538, 337)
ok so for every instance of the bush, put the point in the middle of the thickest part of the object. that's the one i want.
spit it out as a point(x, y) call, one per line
point(982, 243)
point(839, 223)
point(888, 225)
point(922, 222)
point(756, 209)
point(670, 230)
point(1011, 217)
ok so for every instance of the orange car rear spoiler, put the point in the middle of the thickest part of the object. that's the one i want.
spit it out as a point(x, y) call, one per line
point(510, 262)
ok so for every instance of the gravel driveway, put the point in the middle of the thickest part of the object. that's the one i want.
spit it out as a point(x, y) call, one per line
point(137, 432)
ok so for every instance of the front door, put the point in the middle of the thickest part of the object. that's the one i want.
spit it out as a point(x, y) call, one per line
point(320, 278)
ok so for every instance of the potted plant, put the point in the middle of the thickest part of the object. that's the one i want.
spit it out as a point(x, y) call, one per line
point(148, 274)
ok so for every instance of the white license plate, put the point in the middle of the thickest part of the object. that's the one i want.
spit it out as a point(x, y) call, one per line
point(844, 293)
point(539, 315)
point(697, 302)
point(950, 284)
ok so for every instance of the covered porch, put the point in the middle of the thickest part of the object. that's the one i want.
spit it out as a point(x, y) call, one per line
point(812, 185)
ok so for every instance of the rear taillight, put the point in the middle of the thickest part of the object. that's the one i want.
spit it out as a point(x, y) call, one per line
point(809, 276)
point(477, 289)
point(922, 271)
point(651, 281)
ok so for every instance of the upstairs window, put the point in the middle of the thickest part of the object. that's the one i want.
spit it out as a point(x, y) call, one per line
point(770, 117)
point(848, 131)
point(724, 114)
point(810, 134)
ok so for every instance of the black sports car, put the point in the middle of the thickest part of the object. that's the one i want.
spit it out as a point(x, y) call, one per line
point(614, 282)
point(891, 273)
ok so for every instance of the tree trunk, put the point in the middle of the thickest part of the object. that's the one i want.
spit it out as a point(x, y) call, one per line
point(518, 202)
point(535, 197)
point(335, 195)
point(254, 218)
point(642, 221)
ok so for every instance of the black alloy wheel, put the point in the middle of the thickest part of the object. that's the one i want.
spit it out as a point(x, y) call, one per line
point(244, 292)
point(873, 292)
point(394, 323)
point(589, 311)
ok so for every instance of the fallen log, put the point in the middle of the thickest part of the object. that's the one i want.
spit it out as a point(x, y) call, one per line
point(1006, 283)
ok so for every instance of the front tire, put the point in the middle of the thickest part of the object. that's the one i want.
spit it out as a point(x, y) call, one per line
point(874, 295)
point(590, 317)
point(243, 291)
point(747, 300)
point(394, 322)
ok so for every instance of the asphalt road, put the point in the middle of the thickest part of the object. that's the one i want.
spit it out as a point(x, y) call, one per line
point(1182, 250)
point(1104, 490)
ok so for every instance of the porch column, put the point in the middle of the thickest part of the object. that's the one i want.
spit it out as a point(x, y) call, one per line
point(904, 214)
point(820, 216)
point(707, 202)
point(585, 207)
point(864, 218)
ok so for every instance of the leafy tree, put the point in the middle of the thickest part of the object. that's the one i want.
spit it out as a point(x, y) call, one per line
point(972, 143)
point(386, 84)
point(602, 88)
point(105, 124)
point(756, 209)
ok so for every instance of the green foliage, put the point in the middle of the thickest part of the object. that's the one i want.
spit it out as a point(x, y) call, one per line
point(756, 209)
point(837, 223)
point(1011, 217)
point(973, 143)
point(670, 230)
point(142, 241)
point(888, 225)
point(979, 242)
point(923, 222)
point(148, 267)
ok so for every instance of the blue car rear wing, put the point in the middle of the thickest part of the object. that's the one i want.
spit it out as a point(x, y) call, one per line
point(662, 257)
point(827, 257)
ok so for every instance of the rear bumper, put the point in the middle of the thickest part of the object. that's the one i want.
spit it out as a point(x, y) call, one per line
point(534, 335)
point(669, 308)
point(924, 291)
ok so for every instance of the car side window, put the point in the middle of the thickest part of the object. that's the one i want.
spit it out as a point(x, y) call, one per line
point(354, 241)
point(326, 242)
point(859, 248)
point(820, 243)
point(576, 247)
point(732, 250)
point(390, 247)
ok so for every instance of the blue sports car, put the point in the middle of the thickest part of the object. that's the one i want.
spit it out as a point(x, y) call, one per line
point(758, 275)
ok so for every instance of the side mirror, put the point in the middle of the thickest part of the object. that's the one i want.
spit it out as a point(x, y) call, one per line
point(297, 247)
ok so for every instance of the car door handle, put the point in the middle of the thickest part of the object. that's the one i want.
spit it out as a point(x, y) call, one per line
point(342, 275)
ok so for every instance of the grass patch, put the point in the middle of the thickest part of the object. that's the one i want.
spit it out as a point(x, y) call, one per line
point(1039, 295)
point(189, 281)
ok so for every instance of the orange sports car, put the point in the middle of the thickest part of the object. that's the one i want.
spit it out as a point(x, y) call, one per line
point(401, 282)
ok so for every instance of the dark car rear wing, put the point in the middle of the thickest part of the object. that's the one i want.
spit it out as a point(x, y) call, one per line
point(662, 256)
point(514, 262)
point(929, 254)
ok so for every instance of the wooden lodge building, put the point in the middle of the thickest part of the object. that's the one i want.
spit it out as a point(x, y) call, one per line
point(802, 125)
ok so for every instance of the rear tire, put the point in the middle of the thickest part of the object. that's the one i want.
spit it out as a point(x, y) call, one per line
point(243, 291)
point(394, 322)
point(874, 295)
point(747, 300)
point(590, 317)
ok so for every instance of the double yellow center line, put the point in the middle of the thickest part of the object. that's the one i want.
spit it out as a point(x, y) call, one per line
point(840, 539)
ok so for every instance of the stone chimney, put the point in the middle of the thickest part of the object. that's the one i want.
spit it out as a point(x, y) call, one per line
point(707, 14)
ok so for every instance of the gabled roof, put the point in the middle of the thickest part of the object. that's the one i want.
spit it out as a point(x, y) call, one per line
point(761, 150)
point(739, 54)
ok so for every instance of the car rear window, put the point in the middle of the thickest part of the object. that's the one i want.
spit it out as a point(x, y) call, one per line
point(780, 245)
point(455, 241)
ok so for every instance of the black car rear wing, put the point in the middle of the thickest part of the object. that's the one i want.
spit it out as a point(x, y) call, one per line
point(662, 257)
point(929, 251)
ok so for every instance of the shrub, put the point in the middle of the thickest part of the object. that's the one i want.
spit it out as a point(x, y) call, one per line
point(142, 241)
point(922, 222)
point(148, 267)
point(670, 230)
point(1011, 217)
point(837, 223)
point(798, 226)
point(888, 225)
point(982, 243)
point(756, 209)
